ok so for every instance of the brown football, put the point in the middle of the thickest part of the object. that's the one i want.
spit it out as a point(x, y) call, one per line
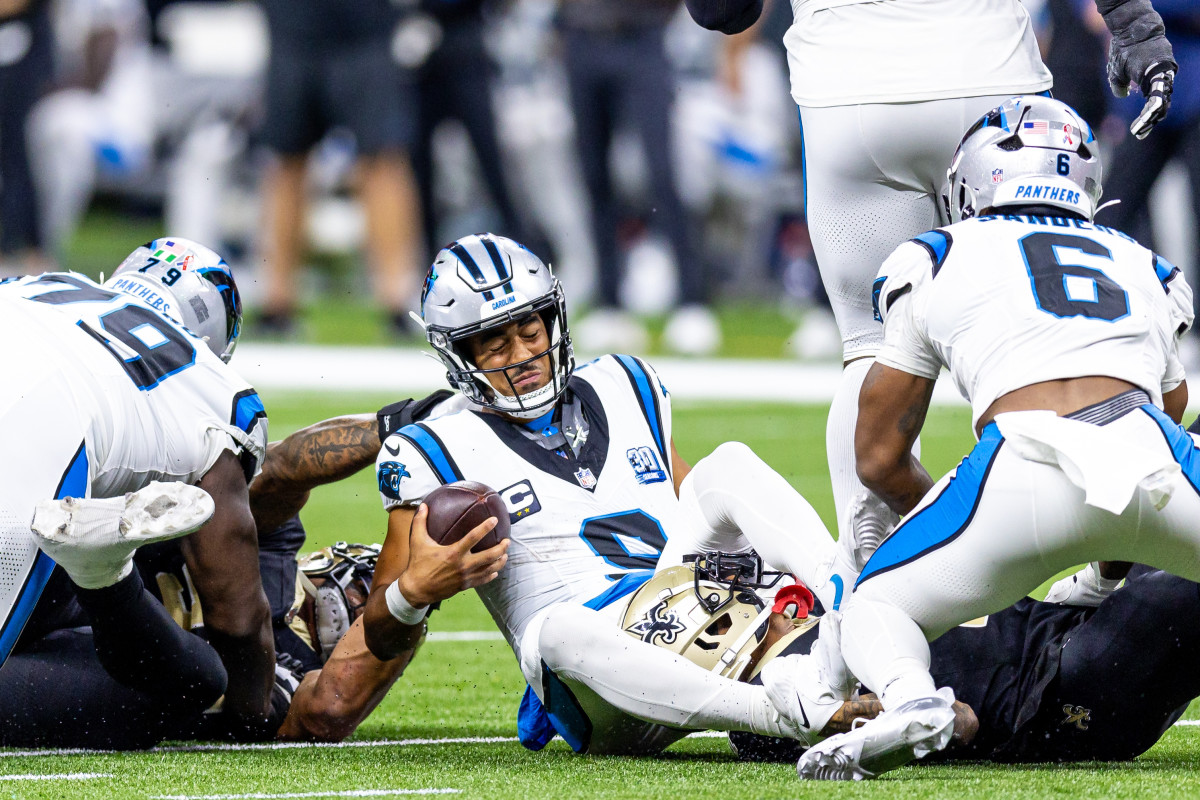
point(456, 508)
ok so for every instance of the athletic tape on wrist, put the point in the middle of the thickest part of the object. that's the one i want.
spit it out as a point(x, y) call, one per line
point(400, 608)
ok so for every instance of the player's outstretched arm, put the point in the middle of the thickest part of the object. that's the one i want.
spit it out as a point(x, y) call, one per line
point(414, 572)
point(726, 16)
point(326, 452)
point(222, 558)
point(891, 411)
point(331, 702)
point(1139, 54)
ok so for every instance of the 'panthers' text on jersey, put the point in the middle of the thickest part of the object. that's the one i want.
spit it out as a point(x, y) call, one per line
point(159, 405)
point(1009, 301)
point(584, 528)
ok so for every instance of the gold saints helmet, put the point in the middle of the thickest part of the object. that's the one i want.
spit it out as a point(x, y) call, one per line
point(331, 592)
point(708, 611)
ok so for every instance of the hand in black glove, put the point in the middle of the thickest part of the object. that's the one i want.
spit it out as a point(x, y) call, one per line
point(1139, 54)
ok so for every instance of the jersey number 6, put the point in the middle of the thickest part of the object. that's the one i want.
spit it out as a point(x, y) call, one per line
point(1072, 290)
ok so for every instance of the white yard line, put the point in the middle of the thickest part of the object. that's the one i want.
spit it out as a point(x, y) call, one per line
point(64, 776)
point(465, 636)
point(209, 748)
point(265, 796)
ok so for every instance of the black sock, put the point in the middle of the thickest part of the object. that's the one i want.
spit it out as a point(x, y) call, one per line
point(142, 647)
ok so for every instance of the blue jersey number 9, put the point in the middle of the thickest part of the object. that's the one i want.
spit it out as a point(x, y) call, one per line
point(153, 348)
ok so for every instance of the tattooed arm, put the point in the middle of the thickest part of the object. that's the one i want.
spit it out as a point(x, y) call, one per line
point(322, 453)
point(891, 411)
point(867, 706)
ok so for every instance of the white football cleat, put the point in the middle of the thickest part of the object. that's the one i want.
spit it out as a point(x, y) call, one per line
point(804, 700)
point(94, 539)
point(894, 738)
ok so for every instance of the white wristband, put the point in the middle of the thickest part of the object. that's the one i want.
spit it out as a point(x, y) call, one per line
point(400, 608)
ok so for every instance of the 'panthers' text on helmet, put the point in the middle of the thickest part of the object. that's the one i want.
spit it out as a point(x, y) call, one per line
point(1030, 151)
point(481, 283)
point(189, 283)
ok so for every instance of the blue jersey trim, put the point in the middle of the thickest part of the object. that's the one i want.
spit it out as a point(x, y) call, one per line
point(536, 726)
point(937, 243)
point(247, 409)
point(430, 446)
point(1165, 271)
point(74, 483)
point(627, 585)
point(943, 520)
point(648, 400)
point(1183, 446)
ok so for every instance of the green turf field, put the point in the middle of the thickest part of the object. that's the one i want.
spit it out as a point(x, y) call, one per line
point(468, 690)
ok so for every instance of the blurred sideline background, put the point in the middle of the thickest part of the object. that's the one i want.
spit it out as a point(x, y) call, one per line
point(171, 96)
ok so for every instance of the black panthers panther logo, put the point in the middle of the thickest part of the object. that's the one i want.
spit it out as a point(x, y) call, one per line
point(390, 474)
point(658, 627)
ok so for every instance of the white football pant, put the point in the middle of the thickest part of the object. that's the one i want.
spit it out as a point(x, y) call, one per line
point(873, 180)
point(1047, 495)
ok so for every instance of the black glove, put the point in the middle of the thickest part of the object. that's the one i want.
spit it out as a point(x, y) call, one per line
point(1139, 54)
point(726, 16)
point(405, 412)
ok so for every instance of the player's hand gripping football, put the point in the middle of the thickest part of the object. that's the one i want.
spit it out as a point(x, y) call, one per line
point(1140, 54)
point(437, 572)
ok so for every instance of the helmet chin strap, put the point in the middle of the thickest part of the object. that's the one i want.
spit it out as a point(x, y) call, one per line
point(528, 411)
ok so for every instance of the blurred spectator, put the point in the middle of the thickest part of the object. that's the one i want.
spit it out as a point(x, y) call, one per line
point(619, 73)
point(1135, 165)
point(455, 83)
point(26, 62)
point(332, 64)
point(1075, 43)
point(100, 119)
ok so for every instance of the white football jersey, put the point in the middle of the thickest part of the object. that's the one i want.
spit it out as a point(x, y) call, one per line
point(1009, 301)
point(850, 52)
point(585, 528)
point(160, 404)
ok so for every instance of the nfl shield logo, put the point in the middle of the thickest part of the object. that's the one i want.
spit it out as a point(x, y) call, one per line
point(997, 176)
point(585, 477)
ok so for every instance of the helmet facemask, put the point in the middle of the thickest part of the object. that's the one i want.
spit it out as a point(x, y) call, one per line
point(337, 581)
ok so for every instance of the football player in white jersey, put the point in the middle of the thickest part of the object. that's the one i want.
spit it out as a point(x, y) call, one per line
point(585, 463)
point(111, 388)
point(884, 87)
point(1063, 336)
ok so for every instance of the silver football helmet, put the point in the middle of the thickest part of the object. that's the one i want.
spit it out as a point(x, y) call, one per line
point(189, 283)
point(1029, 150)
point(480, 283)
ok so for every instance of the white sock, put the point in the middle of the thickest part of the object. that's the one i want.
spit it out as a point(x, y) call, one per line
point(650, 682)
point(839, 438)
point(886, 651)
